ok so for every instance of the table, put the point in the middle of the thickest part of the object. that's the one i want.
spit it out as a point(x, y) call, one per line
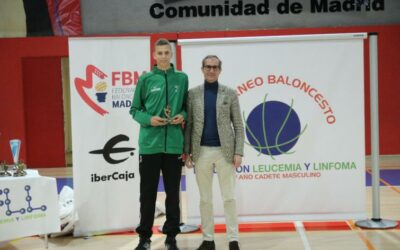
point(28, 206)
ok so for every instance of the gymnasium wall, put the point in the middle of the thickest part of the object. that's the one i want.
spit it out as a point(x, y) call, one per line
point(31, 89)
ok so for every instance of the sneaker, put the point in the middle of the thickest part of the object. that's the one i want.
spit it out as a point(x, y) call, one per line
point(234, 245)
point(170, 244)
point(144, 244)
point(207, 245)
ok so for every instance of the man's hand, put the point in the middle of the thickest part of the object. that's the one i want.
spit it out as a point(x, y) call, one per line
point(237, 160)
point(158, 121)
point(178, 119)
point(188, 161)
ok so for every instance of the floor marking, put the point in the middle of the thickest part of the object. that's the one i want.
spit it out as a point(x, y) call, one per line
point(384, 182)
point(325, 225)
point(367, 242)
point(302, 233)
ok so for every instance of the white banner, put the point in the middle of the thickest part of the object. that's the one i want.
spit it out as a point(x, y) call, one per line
point(104, 73)
point(302, 99)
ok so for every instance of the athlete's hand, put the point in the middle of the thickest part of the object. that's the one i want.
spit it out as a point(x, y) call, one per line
point(178, 119)
point(158, 121)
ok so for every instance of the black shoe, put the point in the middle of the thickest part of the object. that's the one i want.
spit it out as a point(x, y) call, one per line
point(207, 245)
point(144, 244)
point(234, 245)
point(170, 244)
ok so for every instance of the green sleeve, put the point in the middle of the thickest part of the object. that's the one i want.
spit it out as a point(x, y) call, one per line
point(137, 110)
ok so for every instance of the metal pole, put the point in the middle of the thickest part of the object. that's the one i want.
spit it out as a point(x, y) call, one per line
point(46, 241)
point(375, 222)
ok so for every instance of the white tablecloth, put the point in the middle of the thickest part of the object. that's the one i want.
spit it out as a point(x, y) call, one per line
point(28, 206)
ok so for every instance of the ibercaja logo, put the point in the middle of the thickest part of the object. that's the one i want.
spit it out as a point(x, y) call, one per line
point(274, 127)
point(103, 91)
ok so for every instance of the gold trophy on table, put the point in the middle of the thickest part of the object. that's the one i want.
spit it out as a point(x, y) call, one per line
point(20, 169)
point(4, 170)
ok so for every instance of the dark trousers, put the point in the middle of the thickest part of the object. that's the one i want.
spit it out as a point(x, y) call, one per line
point(149, 169)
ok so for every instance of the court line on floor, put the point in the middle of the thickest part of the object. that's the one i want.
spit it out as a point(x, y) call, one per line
point(300, 229)
point(361, 234)
point(385, 182)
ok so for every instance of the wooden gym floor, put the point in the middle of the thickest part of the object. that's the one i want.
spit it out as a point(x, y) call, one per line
point(326, 235)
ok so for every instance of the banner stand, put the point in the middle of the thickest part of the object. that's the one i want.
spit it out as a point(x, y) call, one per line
point(185, 228)
point(376, 222)
point(274, 85)
point(104, 72)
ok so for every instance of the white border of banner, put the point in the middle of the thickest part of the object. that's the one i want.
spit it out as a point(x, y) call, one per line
point(103, 71)
point(261, 39)
point(196, 49)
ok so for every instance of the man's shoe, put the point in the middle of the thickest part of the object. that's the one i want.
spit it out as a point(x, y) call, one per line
point(234, 245)
point(170, 244)
point(144, 244)
point(207, 245)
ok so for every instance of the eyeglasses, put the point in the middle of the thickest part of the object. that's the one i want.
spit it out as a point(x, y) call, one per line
point(209, 67)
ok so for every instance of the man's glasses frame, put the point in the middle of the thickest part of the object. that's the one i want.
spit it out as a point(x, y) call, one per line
point(209, 67)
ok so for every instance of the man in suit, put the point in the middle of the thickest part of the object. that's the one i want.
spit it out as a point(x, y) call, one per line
point(214, 138)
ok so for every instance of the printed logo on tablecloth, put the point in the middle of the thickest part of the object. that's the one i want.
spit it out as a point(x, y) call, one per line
point(19, 208)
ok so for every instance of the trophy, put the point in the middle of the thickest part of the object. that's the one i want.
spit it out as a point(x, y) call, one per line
point(15, 145)
point(167, 113)
point(3, 170)
point(20, 169)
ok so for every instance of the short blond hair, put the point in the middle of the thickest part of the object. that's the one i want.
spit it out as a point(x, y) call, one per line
point(162, 42)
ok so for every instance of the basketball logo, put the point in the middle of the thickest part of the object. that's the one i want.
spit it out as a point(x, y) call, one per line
point(273, 128)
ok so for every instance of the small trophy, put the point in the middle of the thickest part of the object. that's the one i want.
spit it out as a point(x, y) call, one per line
point(4, 170)
point(20, 169)
point(15, 145)
point(167, 113)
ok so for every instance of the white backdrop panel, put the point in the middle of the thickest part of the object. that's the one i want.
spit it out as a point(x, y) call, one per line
point(310, 128)
point(103, 73)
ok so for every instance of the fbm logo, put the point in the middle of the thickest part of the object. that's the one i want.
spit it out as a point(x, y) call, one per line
point(93, 89)
point(82, 84)
point(273, 128)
